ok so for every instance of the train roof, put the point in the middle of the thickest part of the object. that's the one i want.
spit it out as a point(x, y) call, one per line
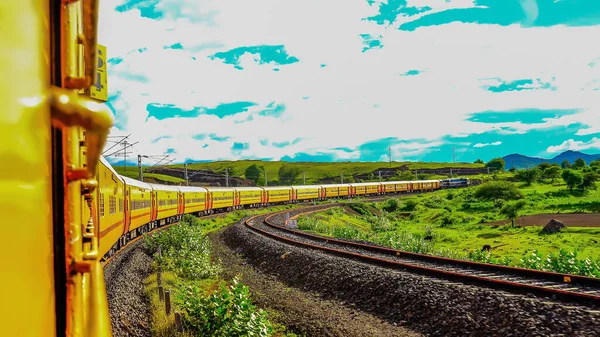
point(168, 188)
point(192, 189)
point(366, 184)
point(395, 182)
point(219, 188)
point(248, 188)
point(271, 188)
point(136, 183)
point(105, 162)
point(306, 186)
point(336, 185)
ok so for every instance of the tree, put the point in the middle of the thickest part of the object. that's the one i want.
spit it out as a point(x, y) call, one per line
point(288, 174)
point(496, 163)
point(478, 161)
point(595, 165)
point(498, 190)
point(579, 164)
point(552, 172)
point(589, 181)
point(528, 176)
point(253, 173)
point(543, 166)
point(512, 210)
point(565, 164)
point(572, 178)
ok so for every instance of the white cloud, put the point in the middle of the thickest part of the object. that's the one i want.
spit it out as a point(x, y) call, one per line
point(488, 144)
point(575, 145)
point(340, 111)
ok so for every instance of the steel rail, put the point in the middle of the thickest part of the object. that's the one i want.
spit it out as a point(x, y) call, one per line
point(567, 295)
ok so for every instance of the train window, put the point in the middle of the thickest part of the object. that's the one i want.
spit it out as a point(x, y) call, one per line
point(101, 202)
point(121, 205)
point(112, 205)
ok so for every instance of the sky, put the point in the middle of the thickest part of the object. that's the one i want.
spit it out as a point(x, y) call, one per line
point(353, 80)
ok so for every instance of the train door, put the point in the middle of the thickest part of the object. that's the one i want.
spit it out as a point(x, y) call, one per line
point(126, 212)
point(154, 206)
point(209, 201)
point(181, 203)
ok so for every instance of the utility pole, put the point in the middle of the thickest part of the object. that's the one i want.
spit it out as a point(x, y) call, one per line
point(488, 169)
point(227, 177)
point(304, 177)
point(187, 180)
point(379, 175)
point(451, 175)
point(390, 153)
point(125, 155)
point(453, 158)
point(342, 177)
point(265, 171)
point(140, 173)
point(416, 175)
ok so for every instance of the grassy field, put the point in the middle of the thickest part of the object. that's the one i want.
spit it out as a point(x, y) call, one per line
point(314, 171)
point(209, 304)
point(456, 222)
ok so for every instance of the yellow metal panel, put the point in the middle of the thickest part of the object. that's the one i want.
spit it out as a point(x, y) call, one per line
point(343, 191)
point(167, 204)
point(278, 195)
point(307, 193)
point(99, 90)
point(250, 197)
point(402, 187)
point(331, 192)
point(109, 192)
point(194, 201)
point(140, 206)
point(372, 188)
point(360, 190)
point(25, 171)
point(222, 199)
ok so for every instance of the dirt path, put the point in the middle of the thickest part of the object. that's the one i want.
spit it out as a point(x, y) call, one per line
point(571, 220)
point(302, 312)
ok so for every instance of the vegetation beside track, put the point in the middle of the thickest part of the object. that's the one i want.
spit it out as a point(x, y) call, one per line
point(209, 305)
point(454, 223)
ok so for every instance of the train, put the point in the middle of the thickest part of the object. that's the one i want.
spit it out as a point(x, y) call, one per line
point(127, 208)
point(65, 209)
point(455, 182)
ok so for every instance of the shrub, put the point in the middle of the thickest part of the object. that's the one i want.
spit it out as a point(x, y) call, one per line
point(390, 205)
point(498, 190)
point(226, 312)
point(450, 195)
point(410, 205)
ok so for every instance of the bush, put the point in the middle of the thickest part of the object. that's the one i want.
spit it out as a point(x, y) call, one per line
point(227, 312)
point(450, 195)
point(498, 203)
point(391, 205)
point(410, 205)
point(498, 190)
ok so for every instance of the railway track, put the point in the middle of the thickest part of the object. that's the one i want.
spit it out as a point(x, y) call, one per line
point(563, 287)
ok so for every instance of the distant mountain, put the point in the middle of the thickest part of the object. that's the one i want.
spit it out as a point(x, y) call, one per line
point(520, 161)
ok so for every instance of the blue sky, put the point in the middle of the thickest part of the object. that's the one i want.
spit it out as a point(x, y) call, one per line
point(342, 80)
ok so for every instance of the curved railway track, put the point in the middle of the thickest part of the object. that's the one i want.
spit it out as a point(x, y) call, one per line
point(564, 287)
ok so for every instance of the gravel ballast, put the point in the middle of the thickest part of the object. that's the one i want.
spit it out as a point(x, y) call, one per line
point(124, 275)
point(432, 306)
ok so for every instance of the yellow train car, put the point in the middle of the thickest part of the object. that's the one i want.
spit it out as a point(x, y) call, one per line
point(220, 198)
point(138, 205)
point(278, 194)
point(110, 207)
point(402, 186)
point(194, 200)
point(331, 191)
point(416, 186)
point(248, 196)
point(306, 192)
point(366, 188)
point(389, 187)
point(429, 185)
point(166, 201)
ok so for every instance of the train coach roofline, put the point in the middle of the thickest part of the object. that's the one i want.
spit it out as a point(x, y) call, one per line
point(192, 189)
point(135, 182)
point(168, 188)
point(110, 168)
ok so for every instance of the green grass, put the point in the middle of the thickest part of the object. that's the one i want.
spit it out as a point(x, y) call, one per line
point(193, 278)
point(457, 227)
point(132, 172)
point(316, 171)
